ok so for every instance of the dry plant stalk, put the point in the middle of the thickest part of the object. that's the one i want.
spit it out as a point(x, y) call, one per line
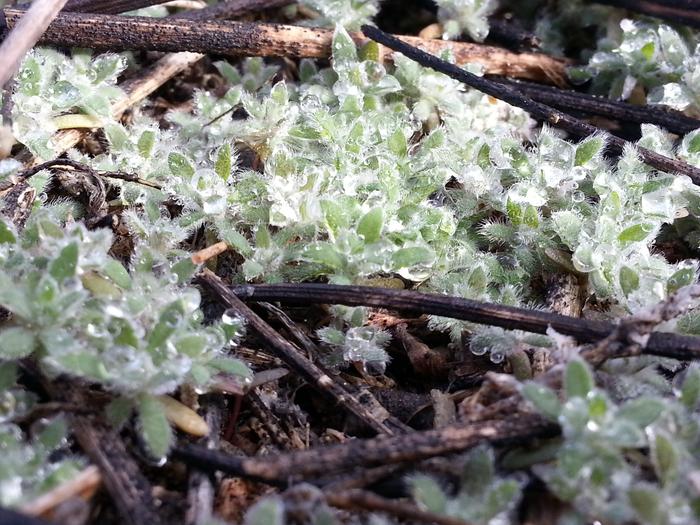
point(29, 26)
point(83, 485)
point(116, 33)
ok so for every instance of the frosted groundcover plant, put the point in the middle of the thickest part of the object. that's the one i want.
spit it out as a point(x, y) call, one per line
point(368, 173)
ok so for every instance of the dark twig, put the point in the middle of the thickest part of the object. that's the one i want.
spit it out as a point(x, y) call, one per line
point(567, 100)
point(128, 177)
point(126, 484)
point(512, 34)
point(292, 357)
point(536, 109)
point(282, 469)
point(677, 14)
point(512, 318)
point(200, 487)
point(368, 501)
point(119, 33)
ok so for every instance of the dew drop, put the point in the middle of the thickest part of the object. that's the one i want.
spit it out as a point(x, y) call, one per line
point(578, 196)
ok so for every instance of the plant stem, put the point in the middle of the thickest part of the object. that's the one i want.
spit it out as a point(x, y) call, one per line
point(509, 317)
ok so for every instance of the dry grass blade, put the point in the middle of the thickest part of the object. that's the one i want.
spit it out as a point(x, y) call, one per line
point(83, 485)
point(30, 26)
point(116, 33)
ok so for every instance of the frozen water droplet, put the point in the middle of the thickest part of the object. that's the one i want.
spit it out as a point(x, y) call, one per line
point(578, 196)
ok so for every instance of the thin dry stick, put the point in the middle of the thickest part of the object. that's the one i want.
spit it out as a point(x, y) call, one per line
point(570, 101)
point(689, 16)
point(312, 463)
point(292, 357)
point(83, 485)
point(536, 109)
point(271, 40)
point(32, 23)
point(120, 175)
point(364, 500)
point(509, 317)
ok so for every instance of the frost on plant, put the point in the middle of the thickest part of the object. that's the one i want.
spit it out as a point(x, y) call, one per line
point(53, 89)
point(656, 58)
point(348, 13)
point(466, 16)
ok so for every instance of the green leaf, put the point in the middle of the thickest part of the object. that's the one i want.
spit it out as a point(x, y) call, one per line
point(665, 457)
point(326, 254)
point(118, 411)
point(642, 411)
point(629, 280)
point(192, 345)
point(168, 322)
point(428, 493)
point(236, 240)
point(478, 471)
point(7, 233)
point(587, 150)
point(180, 166)
point(694, 142)
point(578, 379)
point(681, 278)
point(408, 257)
point(16, 342)
point(64, 266)
point(344, 49)
point(531, 218)
point(500, 498)
point(8, 374)
point(53, 434)
point(231, 366)
point(370, 51)
point(116, 271)
point(648, 50)
point(184, 269)
point(635, 233)
point(397, 143)
point(646, 502)
point(154, 426)
point(543, 398)
point(267, 511)
point(223, 162)
point(370, 225)
point(690, 391)
point(145, 143)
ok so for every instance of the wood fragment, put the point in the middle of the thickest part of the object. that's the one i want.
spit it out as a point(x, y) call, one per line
point(368, 501)
point(115, 33)
point(292, 357)
point(83, 485)
point(281, 469)
point(209, 252)
point(536, 109)
point(29, 26)
point(509, 317)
